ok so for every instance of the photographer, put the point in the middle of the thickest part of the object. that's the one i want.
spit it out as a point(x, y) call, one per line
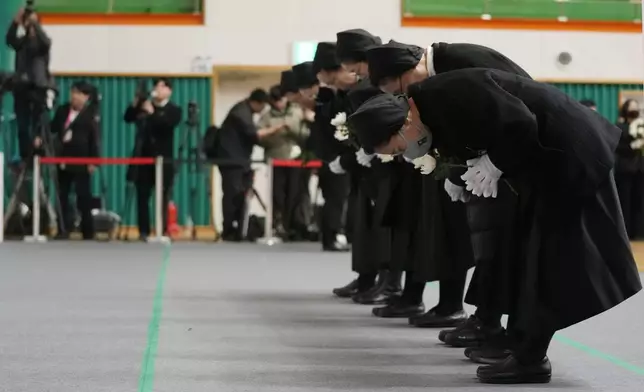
point(32, 46)
point(76, 131)
point(156, 120)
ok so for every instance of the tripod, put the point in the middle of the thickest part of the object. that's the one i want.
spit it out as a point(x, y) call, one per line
point(191, 144)
point(131, 183)
point(42, 125)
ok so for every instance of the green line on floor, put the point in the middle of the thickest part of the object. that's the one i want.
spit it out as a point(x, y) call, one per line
point(601, 355)
point(146, 379)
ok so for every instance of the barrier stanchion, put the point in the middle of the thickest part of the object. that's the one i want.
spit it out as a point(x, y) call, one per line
point(2, 201)
point(159, 205)
point(35, 209)
point(269, 238)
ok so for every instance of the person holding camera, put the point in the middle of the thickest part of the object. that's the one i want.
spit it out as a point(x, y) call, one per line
point(75, 128)
point(32, 79)
point(237, 137)
point(156, 119)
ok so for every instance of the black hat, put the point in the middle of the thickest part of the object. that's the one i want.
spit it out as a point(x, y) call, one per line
point(287, 82)
point(392, 60)
point(304, 75)
point(361, 93)
point(378, 119)
point(353, 44)
point(324, 58)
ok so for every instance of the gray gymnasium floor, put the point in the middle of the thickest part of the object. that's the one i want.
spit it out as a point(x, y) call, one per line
point(226, 318)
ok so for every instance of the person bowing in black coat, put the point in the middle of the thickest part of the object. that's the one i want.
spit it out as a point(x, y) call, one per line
point(395, 66)
point(157, 120)
point(76, 129)
point(572, 257)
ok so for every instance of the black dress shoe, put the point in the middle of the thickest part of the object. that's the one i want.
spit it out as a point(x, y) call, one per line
point(347, 291)
point(474, 335)
point(399, 309)
point(472, 320)
point(511, 371)
point(434, 319)
point(488, 354)
point(386, 289)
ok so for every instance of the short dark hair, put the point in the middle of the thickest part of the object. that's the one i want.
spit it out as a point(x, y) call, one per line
point(275, 93)
point(166, 81)
point(83, 87)
point(588, 103)
point(258, 95)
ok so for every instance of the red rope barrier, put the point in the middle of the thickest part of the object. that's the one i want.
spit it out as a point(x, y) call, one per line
point(291, 163)
point(97, 161)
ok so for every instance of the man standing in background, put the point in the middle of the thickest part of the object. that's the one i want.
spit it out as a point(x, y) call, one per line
point(237, 137)
point(32, 78)
point(158, 118)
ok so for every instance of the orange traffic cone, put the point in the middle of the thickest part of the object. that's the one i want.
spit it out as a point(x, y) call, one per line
point(173, 226)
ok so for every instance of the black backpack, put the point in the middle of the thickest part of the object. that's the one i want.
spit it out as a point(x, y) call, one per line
point(210, 143)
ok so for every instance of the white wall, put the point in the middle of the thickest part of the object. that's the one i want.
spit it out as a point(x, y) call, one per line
point(261, 32)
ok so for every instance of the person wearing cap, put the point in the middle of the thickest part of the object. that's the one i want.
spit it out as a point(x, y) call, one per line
point(334, 182)
point(394, 67)
point(371, 242)
point(572, 258)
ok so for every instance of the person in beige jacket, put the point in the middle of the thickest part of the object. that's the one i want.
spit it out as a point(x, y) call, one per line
point(285, 144)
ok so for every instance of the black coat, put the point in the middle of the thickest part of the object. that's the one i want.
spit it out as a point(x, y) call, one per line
point(573, 258)
point(155, 137)
point(83, 134)
point(32, 55)
point(450, 57)
point(237, 136)
point(628, 160)
point(323, 142)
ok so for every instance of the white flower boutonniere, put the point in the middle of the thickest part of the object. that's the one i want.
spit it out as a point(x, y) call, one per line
point(636, 128)
point(384, 158)
point(340, 124)
point(426, 164)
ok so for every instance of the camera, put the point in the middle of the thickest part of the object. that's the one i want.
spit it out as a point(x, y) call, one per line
point(193, 113)
point(30, 8)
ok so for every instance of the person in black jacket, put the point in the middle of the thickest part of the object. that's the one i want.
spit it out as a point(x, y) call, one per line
point(629, 171)
point(395, 66)
point(156, 119)
point(572, 259)
point(76, 129)
point(334, 182)
point(238, 135)
point(32, 47)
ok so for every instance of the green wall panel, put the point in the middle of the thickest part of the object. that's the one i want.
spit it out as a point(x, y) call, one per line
point(118, 138)
point(588, 10)
point(605, 95)
point(120, 6)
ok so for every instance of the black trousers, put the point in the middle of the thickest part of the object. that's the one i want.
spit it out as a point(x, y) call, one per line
point(144, 192)
point(286, 191)
point(235, 182)
point(335, 190)
point(28, 106)
point(81, 181)
point(630, 188)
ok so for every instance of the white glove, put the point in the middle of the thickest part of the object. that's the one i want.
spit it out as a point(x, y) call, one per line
point(363, 158)
point(482, 177)
point(456, 192)
point(335, 166)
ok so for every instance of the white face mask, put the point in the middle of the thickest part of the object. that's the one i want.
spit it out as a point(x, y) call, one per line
point(420, 147)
